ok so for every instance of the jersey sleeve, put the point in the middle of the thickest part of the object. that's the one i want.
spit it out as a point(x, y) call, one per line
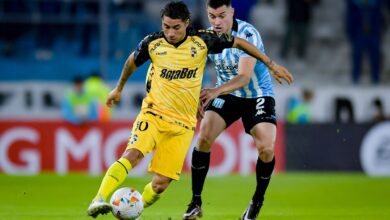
point(141, 54)
point(216, 42)
point(250, 34)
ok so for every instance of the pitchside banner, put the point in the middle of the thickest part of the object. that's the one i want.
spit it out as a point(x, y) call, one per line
point(339, 147)
point(39, 146)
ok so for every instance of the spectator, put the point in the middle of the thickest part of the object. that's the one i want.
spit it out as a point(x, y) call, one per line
point(344, 110)
point(299, 14)
point(364, 23)
point(379, 112)
point(98, 90)
point(78, 106)
point(299, 108)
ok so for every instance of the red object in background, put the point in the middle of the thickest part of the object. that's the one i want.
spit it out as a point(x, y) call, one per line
point(280, 148)
point(30, 147)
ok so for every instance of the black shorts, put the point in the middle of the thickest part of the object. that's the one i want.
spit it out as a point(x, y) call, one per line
point(252, 111)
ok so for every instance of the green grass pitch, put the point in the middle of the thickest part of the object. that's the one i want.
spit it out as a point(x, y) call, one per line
point(303, 196)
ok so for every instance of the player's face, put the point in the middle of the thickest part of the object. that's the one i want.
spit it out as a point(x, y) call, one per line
point(174, 29)
point(221, 19)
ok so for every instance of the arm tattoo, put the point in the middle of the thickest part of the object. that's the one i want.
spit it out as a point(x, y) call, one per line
point(124, 76)
point(269, 63)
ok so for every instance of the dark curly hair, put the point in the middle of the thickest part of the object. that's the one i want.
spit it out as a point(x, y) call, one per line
point(176, 10)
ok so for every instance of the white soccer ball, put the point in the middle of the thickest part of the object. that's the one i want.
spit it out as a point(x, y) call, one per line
point(126, 203)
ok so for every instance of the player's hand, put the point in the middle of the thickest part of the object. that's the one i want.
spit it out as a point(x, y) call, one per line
point(206, 95)
point(200, 113)
point(113, 98)
point(279, 73)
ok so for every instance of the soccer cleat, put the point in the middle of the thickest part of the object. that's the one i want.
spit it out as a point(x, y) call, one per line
point(193, 212)
point(98, 207)
point(252, 211)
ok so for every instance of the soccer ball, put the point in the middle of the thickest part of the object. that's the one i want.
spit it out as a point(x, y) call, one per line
point(126, 203)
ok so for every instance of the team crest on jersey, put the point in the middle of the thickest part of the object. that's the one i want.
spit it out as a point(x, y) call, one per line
point(133, 139)
point(193, 52)
point(218, 103)
point(248, 34)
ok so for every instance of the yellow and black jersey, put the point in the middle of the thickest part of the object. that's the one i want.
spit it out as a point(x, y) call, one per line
point(175, 74)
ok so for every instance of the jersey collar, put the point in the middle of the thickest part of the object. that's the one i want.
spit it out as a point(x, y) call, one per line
point(178, 43)
point(235, 25)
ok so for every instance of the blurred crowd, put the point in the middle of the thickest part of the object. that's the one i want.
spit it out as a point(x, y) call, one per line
point(53, 30)
point(321, 42)
point(45, 23)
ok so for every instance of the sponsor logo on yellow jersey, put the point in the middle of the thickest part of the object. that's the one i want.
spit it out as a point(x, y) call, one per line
point(178, 74)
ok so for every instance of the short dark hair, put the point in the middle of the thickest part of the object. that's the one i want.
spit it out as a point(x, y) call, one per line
point(176, 10)
point(218, 3)
point(378, 103)
point(78, 79)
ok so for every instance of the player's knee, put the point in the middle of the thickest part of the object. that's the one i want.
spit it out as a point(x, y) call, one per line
point(265, 147)
point(266, 154)
point(133, 155)
point(205, 142)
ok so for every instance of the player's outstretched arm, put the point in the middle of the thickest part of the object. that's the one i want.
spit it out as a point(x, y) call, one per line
point(128, 69)
point(277, 71)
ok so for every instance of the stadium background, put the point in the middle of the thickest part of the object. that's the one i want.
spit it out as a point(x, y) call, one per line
point(45, 44)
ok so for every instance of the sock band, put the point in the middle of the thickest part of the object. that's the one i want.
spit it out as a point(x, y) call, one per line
point(123, 166)
point(125, 163)
point(113, 178)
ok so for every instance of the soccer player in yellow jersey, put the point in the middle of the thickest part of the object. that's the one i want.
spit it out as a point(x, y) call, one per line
point(167, 119)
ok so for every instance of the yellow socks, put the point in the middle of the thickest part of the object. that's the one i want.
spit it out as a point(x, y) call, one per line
point(149, 195)
point(115, 175)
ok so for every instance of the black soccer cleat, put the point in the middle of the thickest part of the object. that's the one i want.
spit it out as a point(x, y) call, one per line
point(252, 211)
point(193, 212)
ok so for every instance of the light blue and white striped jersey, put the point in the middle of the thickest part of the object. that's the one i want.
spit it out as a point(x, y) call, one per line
point(226, 64)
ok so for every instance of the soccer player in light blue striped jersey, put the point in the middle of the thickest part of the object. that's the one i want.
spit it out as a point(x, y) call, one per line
point(241, 81)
